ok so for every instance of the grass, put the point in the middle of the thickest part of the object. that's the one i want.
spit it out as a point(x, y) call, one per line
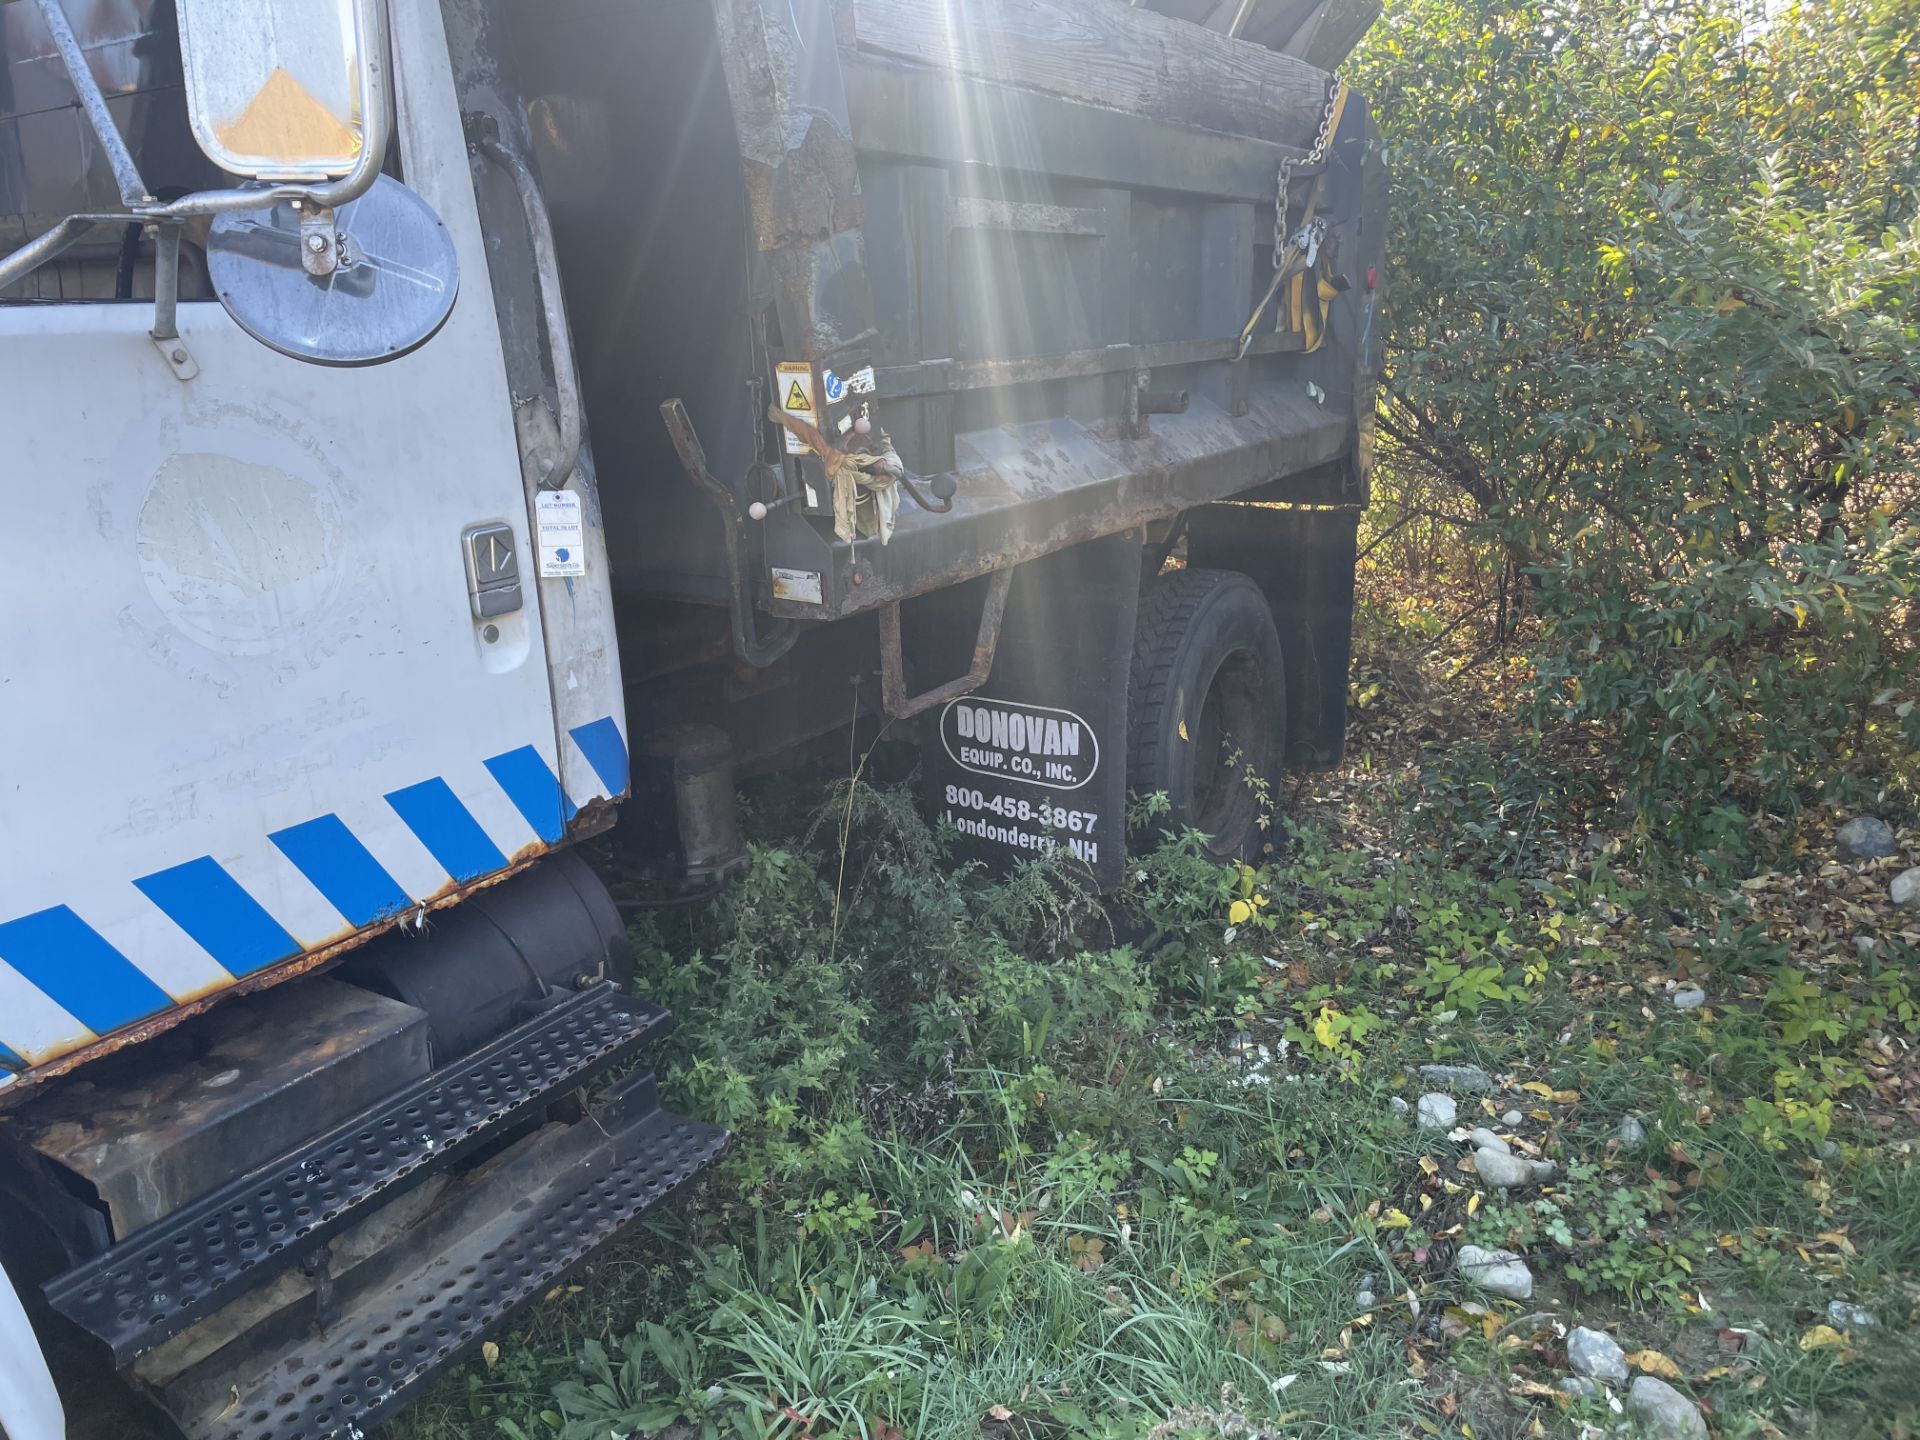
point(1014, 1163)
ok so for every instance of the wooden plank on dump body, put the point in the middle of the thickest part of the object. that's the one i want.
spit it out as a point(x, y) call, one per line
point(1105, 53)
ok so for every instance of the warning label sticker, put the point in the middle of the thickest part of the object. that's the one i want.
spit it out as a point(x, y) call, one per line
point(793, 383)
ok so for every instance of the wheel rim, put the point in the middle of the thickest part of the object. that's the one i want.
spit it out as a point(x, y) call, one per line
point(1231, 736)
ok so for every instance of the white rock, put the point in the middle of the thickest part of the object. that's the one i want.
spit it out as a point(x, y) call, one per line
point(1437, 1112)
point(1499, 1271)
point(1865, 838)
point(1632, 1134)
point(1905, 890)
point(1866, 945)
point(1464, 1079)
point(1845, 1315)
point(1593, 1353)
point(1504, 1171)
point(1512, 1118)
point(1482, 1138)
point(1689, 997)
point(1578, 1386)
point(1397, 1105)
point(1542, 1169)
point(1663, 1412)
point(1828, 1149)
point(1364, 1299)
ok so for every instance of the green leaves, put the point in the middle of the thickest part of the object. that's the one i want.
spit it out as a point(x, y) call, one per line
point(1652, 317)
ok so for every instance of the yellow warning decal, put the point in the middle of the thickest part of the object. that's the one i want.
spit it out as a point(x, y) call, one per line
point(793, 383)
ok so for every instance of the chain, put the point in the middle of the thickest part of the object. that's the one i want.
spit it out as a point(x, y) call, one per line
point(1281, 203)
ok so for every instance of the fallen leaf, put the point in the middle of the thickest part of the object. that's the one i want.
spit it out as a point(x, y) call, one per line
point(1822, 1337)
point(1654, 1363)
point(1000, 1412)
point(490, 1352)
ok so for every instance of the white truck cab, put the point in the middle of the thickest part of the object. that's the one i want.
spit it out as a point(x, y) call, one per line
point(307, 665)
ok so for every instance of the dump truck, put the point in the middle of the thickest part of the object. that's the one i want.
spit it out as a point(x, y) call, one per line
point(448, 428)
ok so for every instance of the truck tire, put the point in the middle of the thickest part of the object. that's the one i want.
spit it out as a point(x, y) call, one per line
point(1208, 707)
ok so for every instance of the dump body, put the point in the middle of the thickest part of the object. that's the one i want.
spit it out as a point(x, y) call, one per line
point(1020, 215)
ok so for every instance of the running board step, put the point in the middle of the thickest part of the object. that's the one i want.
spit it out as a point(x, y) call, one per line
point(501, 1236)
point(166, 1276)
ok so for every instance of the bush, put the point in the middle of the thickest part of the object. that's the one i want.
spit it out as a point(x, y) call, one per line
point(1652, 315)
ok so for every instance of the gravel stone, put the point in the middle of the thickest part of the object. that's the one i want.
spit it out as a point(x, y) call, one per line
point(1845, 1315)
point(1501, 1170)
point(1663, 1411)
point(1398, 1106)
point(1482, 1138)
point(1365, 1300)
point(1464, 1079)
point(1500, 1272)
point(1578, 1386)
point(1512, 1119)
point(1689, 997)
point(1905, 890)
point(1594, 1353)
point(1865, 838)
point(1437, 1112)
point(1632, 1134)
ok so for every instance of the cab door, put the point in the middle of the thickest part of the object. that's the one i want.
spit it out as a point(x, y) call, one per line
point(250, 707)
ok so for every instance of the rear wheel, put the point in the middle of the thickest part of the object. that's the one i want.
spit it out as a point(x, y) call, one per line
point(1207, 707)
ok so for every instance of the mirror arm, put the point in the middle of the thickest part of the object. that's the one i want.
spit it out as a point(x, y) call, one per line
point(376, 128)
point(133, 190)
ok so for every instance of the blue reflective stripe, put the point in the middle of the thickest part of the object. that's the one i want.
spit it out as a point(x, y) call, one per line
point(78, 970)
point(228, 923)
point(529, 782)
point(599, 740)
point(447, 828)
point(342, 869)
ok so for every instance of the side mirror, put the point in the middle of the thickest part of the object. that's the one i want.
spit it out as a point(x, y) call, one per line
point(274, 87)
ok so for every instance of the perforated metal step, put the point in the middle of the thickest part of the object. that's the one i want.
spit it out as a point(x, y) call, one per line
point(539, 1214)
point(164, 1277)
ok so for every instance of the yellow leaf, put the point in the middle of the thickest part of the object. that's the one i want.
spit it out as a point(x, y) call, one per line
point(1730, 303)
point(1473, 1205)
point(1239, 913)
point(490, 1352)
point(1395, 1220)
point(1429, 1165)
point(1822, 1337)
point(1654, 1363)
point(1538, 1089)
point(1183, 732)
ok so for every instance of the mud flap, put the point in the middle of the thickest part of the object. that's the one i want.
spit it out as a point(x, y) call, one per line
point(1035, 759)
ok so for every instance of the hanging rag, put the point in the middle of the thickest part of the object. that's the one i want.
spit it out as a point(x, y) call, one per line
point(866, 485)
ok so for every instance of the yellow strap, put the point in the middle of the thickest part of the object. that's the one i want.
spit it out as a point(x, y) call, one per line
point(1295, 313)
